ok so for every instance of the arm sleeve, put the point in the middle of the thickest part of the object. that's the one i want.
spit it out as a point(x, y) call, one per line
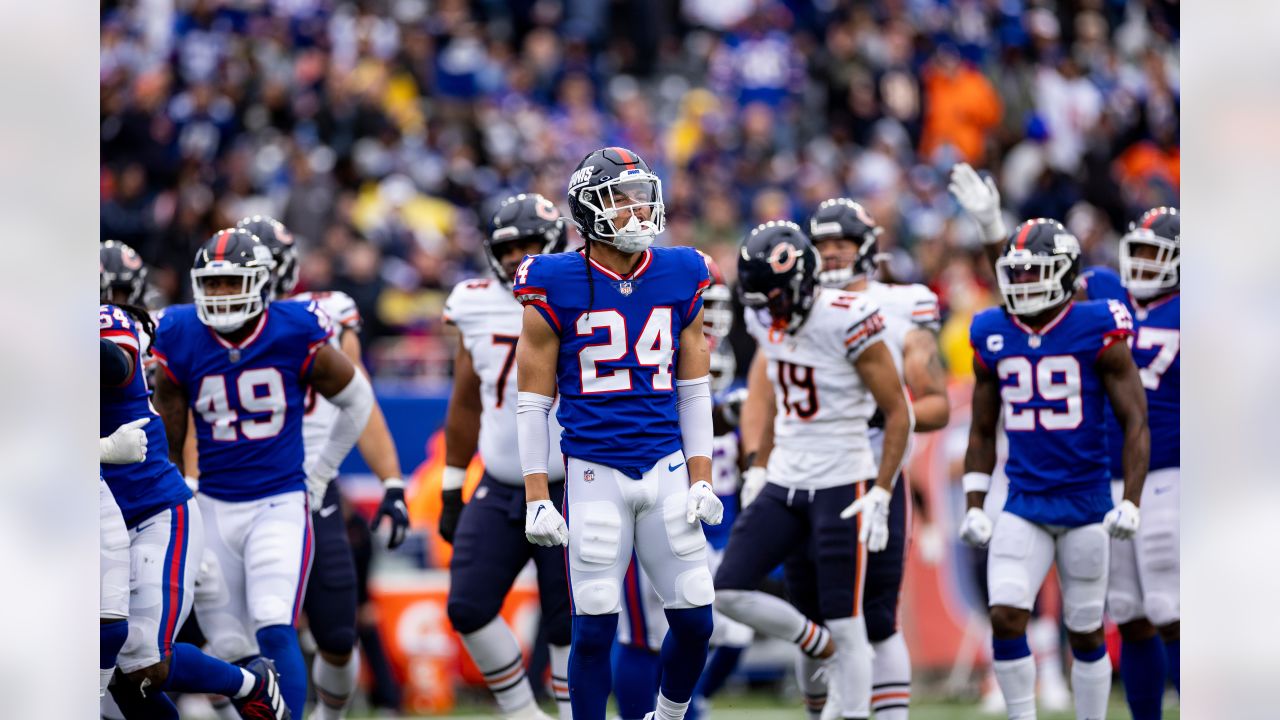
point(116, 365)
point(694, 407)
point(354, 403)
point(532, 432)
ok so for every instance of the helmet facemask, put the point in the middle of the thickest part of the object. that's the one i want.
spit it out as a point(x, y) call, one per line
point(844, 271)
point(1145, 276)
point(229, 312)
point(628, 210)
point(1032, 283)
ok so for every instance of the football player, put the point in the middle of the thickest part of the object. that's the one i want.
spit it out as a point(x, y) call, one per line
point(844, 234)
point(243, 366)
point(617, 331)
point(164, 542)
point(330, 601)
point(1051, 364)
point(822, 353)
point(489, 546)
point(1142, 596)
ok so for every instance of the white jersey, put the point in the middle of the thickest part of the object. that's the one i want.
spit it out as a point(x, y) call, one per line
point(321, 414)
point(904, 308)
point(820, 431)
point(489, 319)
point(724, 464)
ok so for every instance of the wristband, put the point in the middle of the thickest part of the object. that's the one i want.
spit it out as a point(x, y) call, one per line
point(976, 482)
point(453, 478)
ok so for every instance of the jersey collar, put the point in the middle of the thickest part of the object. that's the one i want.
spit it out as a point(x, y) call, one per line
point(262, 323)
point(1048, 326)
point(637, 272)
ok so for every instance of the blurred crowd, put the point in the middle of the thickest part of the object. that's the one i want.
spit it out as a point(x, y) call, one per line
point(382, 131)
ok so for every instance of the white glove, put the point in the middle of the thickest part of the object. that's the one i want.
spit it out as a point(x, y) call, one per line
point(702, 504)
point(193, 483)
point(980, 198)
point(1122, 521)
point(753, 481)
point(976, 528)
point(317, 486)
point(874, 508)
point(128, 444)
point(543, 524)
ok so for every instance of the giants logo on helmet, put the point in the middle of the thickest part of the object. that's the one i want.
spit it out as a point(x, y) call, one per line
point(582, 175)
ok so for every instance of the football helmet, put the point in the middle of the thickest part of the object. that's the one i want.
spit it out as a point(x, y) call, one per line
point(717, 321)
point(231, 279)
point(120, 270)
point(524, 218)
point(280, 242)
point(844, 219)
point(1145, 275)
point(616, 200)
point(1038, 269)
point(778, 272)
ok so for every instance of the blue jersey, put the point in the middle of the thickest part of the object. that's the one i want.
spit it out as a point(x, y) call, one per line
point(1054, 407)
point(617, 365)
point(1157, 353)
point(248, 399)
point(153, 485)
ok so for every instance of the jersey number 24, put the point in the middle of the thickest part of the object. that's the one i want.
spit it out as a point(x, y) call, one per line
point(655, 347)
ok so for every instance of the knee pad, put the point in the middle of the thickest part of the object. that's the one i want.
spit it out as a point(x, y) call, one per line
point(1123, 605)
point(468, 616)
point(230, 645)
point(1084, 553)
point(880, 619)
point(597, 597)
point(270, 610)
point(594, 633)
point(333, 638)
point(1158, 551)
point(691, 624)
point(1162, 608)
point(694, 588)
point(685, 539)
point(596, 535)
point(1007, 575)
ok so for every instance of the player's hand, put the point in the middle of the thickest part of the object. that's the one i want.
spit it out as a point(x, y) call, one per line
point(1122, 521)
point(702, 504)
point(753, 480)
point(450, 511)
point(874, 508)
point(393, 508)
point(128, 444)
point(975, 530)
point(317, 486)
point(543, 524)
point(980, 198)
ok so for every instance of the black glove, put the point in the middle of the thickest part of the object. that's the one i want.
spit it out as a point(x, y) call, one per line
point(394, 509)
point(450, 511)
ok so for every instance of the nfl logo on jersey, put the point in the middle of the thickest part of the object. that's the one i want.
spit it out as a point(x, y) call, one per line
point(624, 287)
point(588, 475)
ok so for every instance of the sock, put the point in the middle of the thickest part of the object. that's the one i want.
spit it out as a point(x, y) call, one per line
point(1042, 635)
point(852, 667)
point(590, 676)
point(335, 685)
point(1016, 674)
point(496, 652)
point(891, 678)
point(150, 704)
point(813, 685)
point(684, 653)
point(280, 643)
point(669, 709)
point(1174, 658)
point(772, 616)
point(560, 679)
point(636, 671)
point(1091, 682)
point(190, 670)
point(1143, 670)
point(111, 637)
point(724, 660)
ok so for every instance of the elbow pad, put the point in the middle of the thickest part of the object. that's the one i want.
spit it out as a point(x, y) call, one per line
point(532, 431)
point(354, 403)
point(694, 407)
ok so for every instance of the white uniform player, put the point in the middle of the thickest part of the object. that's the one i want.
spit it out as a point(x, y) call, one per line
point(321, 413)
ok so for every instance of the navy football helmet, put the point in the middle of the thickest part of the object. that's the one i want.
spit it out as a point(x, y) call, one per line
point(122, 276)
point(615, 199)
point(1150, 253)
point(844, 219)
point(280, 242)
point(778, 272)
point(231, 279)
point(527, 217)
point(1038, 269)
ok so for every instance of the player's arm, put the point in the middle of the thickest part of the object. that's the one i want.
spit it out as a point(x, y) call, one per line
point(1120, 378)
point(926, 379)
point(980, 456)
point(537, 353)
point(461, 436)
point(693, 404)
point(981, 199)
point(758, 413)
point(880, 375)
point(171, 402)
point(334, 376)
point(115, 364)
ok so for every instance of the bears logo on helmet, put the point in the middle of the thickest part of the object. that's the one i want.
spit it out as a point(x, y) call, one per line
point(122, 276)
point(527, 217)
point(778, 271)
point(277, 238)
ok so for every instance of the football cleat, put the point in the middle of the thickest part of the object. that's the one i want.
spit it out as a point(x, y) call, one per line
point(264, 702)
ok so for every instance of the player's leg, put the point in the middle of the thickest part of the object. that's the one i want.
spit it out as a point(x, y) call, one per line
point(729, 639)
point(762, 538)
point(113, 600)
point(1142, 659)
point(637, 657)
point(891, 664)
point(1017, 561)
point(330, 604)
point(800, 573)
point(557, 619)
point(489, 549)
point(1082, 555)
point(598, 506)
point(278, 550)
point(1159, 563)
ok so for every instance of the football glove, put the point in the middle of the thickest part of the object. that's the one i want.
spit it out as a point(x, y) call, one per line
point(980, 198)
point(393, 509)
point(975, 530)
point(702, 504)
point(874, 508)
point(753, 480)
point(543, 524)
point(450, 511)
point(128, 444)
point(317, 486)
point(1122, 521)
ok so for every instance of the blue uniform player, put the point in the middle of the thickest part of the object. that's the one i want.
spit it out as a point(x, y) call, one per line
point(242, 366)
point(1142, 596)
point(616, 331)
point(1052, 364)
point(165, 533)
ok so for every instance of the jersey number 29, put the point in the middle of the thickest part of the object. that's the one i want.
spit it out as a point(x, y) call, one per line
point(1054, 378)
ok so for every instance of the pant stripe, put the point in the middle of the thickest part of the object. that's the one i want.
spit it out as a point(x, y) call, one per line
point(635, 605)
point(305, 572)
point(859, 556)
point(175, 562)
point(564, 512)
